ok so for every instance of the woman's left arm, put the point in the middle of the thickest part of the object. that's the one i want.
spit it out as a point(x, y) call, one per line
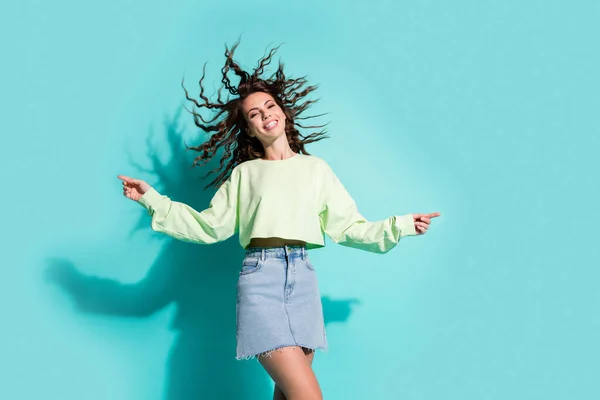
point(345, 225)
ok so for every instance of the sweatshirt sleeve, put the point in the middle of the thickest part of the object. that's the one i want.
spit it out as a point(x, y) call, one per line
point(343, 223)
point(216, 223)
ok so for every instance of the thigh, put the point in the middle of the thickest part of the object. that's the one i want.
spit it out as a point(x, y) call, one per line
point(289, 368)
point(309, 354)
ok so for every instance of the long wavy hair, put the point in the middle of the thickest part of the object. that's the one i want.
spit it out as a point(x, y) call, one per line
point(228, 128)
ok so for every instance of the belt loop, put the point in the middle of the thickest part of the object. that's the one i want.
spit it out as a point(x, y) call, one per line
point(303, 253)
point(262, 254)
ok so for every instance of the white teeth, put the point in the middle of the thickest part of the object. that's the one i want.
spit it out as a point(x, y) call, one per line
point(271, 124)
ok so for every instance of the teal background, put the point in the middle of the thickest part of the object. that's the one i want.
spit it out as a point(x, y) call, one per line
point(486, 111)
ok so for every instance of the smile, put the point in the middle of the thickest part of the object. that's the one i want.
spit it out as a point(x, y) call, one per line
point(271, 125)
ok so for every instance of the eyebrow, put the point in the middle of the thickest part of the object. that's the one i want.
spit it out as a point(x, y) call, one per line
point(255, 108)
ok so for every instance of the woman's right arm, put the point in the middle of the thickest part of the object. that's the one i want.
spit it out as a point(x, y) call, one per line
point(216, 223)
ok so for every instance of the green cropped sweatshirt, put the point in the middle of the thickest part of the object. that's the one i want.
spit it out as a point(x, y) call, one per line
point(296, 198)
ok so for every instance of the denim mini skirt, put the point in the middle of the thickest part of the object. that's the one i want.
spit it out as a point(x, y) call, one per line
point(278, 302)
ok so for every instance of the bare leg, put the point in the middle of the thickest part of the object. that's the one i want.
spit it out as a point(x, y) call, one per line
point(291, 370)
point(278, 394)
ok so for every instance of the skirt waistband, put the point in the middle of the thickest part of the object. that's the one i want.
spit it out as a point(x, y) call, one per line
point(278, 251)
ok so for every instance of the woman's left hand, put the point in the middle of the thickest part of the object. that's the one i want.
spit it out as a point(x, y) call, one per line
point(422, 221)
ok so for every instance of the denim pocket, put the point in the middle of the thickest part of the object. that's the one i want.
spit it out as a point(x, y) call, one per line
point(309, 264)
point(250, 265)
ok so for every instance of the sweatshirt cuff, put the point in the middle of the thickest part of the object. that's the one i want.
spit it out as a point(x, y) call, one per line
point(150, 199)
point(406, 225)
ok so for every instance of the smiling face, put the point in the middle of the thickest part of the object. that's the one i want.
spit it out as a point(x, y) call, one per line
point(266, 120)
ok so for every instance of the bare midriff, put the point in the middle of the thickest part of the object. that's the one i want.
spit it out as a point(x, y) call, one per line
point(274, 242)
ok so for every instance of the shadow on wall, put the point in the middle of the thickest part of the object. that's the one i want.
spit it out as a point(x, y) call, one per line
point(200, 279)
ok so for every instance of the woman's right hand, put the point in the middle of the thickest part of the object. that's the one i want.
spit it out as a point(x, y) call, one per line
point(133, 189)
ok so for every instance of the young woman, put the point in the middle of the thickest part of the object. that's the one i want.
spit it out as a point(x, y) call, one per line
point(282, 201)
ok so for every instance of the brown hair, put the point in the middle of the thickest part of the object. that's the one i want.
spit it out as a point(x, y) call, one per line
point(229, 128)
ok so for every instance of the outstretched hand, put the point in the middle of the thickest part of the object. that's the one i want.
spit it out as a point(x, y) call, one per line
point(422, 221)
point(133, 189)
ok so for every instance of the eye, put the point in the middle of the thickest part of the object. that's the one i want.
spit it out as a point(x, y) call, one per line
point(253, 115)
point(271, 106)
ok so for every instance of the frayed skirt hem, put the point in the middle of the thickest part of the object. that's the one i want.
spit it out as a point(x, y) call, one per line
point(267, 353)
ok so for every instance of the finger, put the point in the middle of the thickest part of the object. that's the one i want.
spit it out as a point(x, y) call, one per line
point(129, 179)
point(424, 219)
point(125, 178)
point(421, 224)
point(433, 215)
